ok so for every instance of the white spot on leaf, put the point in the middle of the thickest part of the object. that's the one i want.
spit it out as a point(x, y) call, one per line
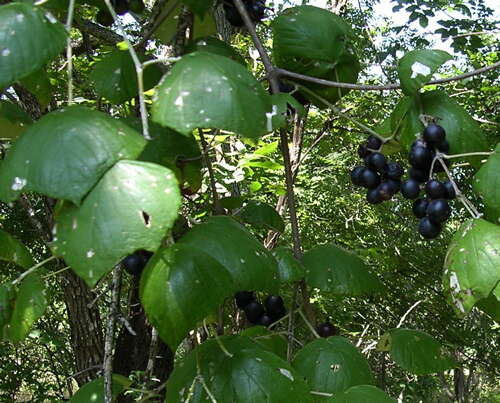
point(418, 68)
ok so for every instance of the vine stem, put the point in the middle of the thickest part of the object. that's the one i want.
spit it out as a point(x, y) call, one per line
point(408, 312)
point(32, 269)
point(204, 145)
point(311, 328)
point(69, 50)
point(467, 154)
point(56, 272)
point(110, 332)
point(139, 69)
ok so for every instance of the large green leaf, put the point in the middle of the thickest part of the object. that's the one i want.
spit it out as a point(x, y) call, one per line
point(332, 365)
point(261, 215)
point(308, 40)
point(361, 394)
point(214, 45)
point(205, 90)
point(94, 391)
point(38, 83)
point(28, 40)
point(472, 264)
point(168, 28)
point(462, 131)
point(65, 153)
point(250, 375)
point(13, 120)
point(11, 250)
point(490, 305)
point(487, 184)
point(274, 342)
point(184, 283)
point(290, 269)
point(115, 77)
point(417, 352)
point(7, 300)
point(29, 307)
point(199, 7)
point(132, 207)
point(334, 269)
point(416, 68)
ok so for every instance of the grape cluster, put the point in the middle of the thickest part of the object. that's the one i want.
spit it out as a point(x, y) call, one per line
point(135, 263)
point(265, 314)
point(382, 178)
point(256, 10)
point(433, 209)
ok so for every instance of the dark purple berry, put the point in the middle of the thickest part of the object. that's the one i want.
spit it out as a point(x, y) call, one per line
point(428, 229)
point(438, 211)
point(444, 146)
point(356, 176)
point(253, 311)
point(373, 196)
point(387, 189)
point(363, 151)
point(449, 190)
point(418, 143)
point(420, 175)
point(393, 170)
point(243, 298)
point(327, 329)
point(275, 306)
point(370, 179)
point(434, 134)
point(375, 161)
point(410, 189)
point(265, 320)
point(420, 208)
point(285, 87)
point(135, 263)
point(373, 142)
point(420, 157)
point(435, 189)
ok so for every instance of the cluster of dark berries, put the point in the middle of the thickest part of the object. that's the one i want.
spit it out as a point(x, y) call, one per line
point(121, 7)
point(382, 178)
point(434, 209)
point(135, 263)
point(256, 10)
point(326, 330)
point(258, 314)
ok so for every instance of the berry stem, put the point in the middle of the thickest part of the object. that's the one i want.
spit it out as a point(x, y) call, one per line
point(466, 154)
point(311, 328)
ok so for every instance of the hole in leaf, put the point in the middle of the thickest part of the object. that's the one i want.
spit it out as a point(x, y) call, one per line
point(146, 218)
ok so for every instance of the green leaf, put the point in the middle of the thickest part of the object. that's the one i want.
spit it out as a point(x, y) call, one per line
point(203, 27)
point(65, 153)
point(115, 77)
point(38, 83)
point(132, 207)
point(491, 305)
point(361, 394)
point(184, 283)
point(7, 300)
point(462, 131)
point(416, 68)
point(417, 352)
point(332, 365)
point(28, 40)
point(29, 307)
point(274, 342)
point(250, 374)
point(199, 7)
point(215, 46)
point(11, 250)
point(471, 266)
point(261, 215)
point(205, 90)
point(308, 40)
point(423, 21)
point(13, 120)
point(486, 183)
point(232, 202)
point(290, 269)
point(167, 29)
point(338, 271)
point(94, 391)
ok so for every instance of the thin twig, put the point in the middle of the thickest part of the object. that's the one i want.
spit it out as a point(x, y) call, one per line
point(126, 323)
point(69, 51)
point(311, 328)
point(32, 269)
point(55, 273)
point(408, 312)
point(217, 206)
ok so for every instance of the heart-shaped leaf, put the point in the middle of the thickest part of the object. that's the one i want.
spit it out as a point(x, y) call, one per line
point(417, 352)
point(332, 365)
point(261, 215)
point(64, 154)
point(290, 269)
point(248, 374)
point(13, 120)
point(199, 7)
point(274, 342)
point(361, 393)
point(309, 40)
point(29, 307)
point(7, 300)
point(491, 305)
point(216, 46)
point(334, 269)
point(184, 283)
point(11, 250)
point(132, 207)
point(28, 40)
point(205, 90)
point(487, 184)
point(472, 264)
point(416, 68)
point(94, 390)
point(115, 77)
